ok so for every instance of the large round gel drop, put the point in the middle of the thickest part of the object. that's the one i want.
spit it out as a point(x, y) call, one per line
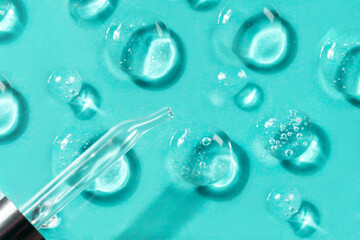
point(284, 202)
point(265, 42)
point(201, 155)
point(142, 47)
point(65, 84)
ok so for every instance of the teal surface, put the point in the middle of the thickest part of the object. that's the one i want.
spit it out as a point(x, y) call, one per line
point(162, 207)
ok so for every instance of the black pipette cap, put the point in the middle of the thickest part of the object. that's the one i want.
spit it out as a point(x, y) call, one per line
point(13, 225)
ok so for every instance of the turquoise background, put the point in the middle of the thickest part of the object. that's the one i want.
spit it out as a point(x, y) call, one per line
point(162, 207)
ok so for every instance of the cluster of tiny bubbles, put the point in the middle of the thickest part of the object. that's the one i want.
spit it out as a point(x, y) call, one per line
point(203, 5)
point(284, 202)
point(12, 19)
point(306, 221)
point(92, 11)
point(65, 84)
point(143, 48)
point(264, 43)
point(249, 98)
point(339, 64)
point(72, 142)
point(287, 137)
point(202, 156)
point(9, 109)
point(42, 211)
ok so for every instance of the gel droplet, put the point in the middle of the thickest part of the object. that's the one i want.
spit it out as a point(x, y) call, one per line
point(203, 5)
point(92, 11)
point(264, 43)
point(284, 202)
point(65, 84)
point(12, 19)
point(289, 132)
point(249, 98)
point(142, 47)
point(201, 155)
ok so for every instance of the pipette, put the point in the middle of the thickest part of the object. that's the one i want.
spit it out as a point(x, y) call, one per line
point(75, 178)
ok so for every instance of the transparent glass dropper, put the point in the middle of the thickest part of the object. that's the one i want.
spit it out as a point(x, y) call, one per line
point(88, 166)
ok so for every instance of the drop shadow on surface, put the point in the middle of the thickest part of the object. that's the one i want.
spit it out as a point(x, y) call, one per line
point(124, 193)
point(22, 122)
point(202, 7)
point(9, 37)
point(353, 101)
point(165, 216)
point(170, 78)
point(272, 68)
point(87, 103)
point(314, 158)
point(306, 221)
point(237, 185)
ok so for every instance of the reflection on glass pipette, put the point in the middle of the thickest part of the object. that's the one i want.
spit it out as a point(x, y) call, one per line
point(88, 166)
